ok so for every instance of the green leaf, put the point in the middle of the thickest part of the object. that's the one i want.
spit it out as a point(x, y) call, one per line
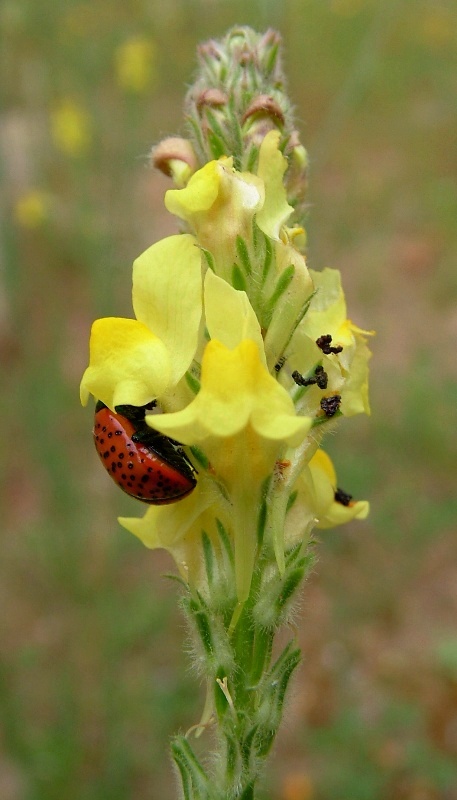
point(209, 259)
point(291, 582)
point(192, 382)
point(238, 279)
point(261, 654)
point(203, 626)
point(225, 539)
point(220, 700)
point(243, 255)
point(282, 284)
point(194, 780)
point(261, 522)
point(214, 124)
point(199, 457)
point(292, 498)
point(273, 697)
point(268, 258)
point(231, 755)
point(252, 159)
point(216, 144)
point(208, 554)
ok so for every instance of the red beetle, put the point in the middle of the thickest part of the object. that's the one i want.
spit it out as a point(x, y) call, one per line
point(143, 462)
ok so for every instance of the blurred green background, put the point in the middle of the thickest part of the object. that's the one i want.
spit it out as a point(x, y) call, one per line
point(92, 678)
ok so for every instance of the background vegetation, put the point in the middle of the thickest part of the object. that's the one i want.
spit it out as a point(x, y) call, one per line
point(92, 678)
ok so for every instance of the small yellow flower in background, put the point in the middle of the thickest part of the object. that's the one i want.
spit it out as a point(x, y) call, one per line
point(436, 27)
point(71, 128)
point(32, 209)
point(135, 64)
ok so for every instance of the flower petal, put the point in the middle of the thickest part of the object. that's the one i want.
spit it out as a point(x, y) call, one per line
point(272, 166)
point(199, 195)
point(238, 320)
point(219, 204)
point(128, 363)
point(329, 511)
point(167, 297)
point(355, 396)
point(338, 514)
point(235, 389)
point(178, 528)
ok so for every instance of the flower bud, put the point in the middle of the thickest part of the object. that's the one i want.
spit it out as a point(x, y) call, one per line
point(176, 158)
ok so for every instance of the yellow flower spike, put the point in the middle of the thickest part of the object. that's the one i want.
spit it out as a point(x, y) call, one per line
point(272, 166)
point(219, 204)
point(242, 404)
point(238, 320)
point(135, 361)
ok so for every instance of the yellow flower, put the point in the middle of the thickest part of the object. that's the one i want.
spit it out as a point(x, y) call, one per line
point(135, 67)
point(32, 209)
point(327, 315)
point(219, 204)
point(133, 361)
point(71, 128)
point(178, 528)
point(318, 503)
point(329, 510)
point(240, 418)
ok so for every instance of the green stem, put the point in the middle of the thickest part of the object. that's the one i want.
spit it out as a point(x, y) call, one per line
point(248, 687)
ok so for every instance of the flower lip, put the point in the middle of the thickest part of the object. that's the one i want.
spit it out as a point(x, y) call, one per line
point(236, 389)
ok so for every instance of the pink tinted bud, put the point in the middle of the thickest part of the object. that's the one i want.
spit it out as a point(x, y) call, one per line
point(266, 105)
point(213, 98)
point(173, 149)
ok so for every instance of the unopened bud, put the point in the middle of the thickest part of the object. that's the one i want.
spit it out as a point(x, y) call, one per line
point(262, 115)
point(176, 158)
point(264, 105)
point(213, 98)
